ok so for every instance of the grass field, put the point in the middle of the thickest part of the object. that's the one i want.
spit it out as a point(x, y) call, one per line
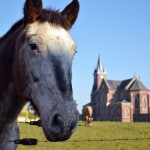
point(98, 137)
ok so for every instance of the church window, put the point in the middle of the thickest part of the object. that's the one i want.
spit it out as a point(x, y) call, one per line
point(144, 103)
point(127, 113)
point(136, 103)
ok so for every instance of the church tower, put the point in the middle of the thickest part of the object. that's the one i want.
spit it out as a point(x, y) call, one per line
point(99, 75)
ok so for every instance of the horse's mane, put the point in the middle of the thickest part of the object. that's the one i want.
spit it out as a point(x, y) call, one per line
point(12, 29)
point(54, 17)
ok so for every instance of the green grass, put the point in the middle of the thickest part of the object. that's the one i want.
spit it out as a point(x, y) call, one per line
point(89, 138)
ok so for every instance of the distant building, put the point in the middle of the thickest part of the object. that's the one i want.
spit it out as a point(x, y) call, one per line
point(114, 100)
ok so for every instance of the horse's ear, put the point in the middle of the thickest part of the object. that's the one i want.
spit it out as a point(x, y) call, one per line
point(32, 10)
point(70, 13)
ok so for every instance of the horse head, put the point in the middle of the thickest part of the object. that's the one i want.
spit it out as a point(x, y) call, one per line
point(43, 66)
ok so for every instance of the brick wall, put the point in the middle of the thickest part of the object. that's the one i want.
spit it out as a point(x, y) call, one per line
point(126, 112)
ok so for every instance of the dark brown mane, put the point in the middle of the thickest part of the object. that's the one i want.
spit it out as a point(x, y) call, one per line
point(53, 17)
point(12, 29)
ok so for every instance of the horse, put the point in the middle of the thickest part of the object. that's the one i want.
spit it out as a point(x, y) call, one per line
point(36, 57)
point(88, 115)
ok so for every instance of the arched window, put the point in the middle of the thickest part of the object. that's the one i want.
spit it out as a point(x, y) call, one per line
point(126, 112)
point(136, 103)
point(144, 103)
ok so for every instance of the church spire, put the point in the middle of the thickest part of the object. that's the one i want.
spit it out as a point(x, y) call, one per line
point(100, 69)
point(99, 65)
point(99, 74)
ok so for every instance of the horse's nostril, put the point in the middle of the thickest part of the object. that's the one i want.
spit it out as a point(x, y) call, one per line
point(57, 123)
point(60, 127)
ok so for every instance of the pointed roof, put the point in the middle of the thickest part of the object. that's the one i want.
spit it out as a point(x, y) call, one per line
point(125, 83)
point(99, 65)
point(129, 84)
point(132, 80)
point(100, 68)
point(120, 85)
point(138, 85)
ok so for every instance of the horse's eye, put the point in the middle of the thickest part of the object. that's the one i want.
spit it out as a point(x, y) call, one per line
point(33, 46)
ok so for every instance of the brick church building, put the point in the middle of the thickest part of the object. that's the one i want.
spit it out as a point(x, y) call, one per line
point(114, 100)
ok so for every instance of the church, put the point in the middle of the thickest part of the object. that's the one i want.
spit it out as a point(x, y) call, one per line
point(115, 100)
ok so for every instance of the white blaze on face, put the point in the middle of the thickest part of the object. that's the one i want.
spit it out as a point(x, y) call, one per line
point(54, 38)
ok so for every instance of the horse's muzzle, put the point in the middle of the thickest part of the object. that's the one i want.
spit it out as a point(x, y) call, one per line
point(60, 128)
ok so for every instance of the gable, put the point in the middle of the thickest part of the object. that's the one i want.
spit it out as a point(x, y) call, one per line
point(104, 85)
point(137, 85)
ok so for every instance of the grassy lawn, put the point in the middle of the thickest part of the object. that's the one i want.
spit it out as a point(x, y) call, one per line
point(98, 137)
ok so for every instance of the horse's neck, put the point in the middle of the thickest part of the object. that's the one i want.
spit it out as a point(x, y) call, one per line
point(10, 105)
point(7, 51)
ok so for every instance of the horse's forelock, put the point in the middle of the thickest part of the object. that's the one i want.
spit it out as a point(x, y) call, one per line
point(54, 17)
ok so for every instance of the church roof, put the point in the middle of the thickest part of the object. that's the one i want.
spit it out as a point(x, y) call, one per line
point(113, 84)
point(129, 84)
point(124, 83)
point(117, 84)
point(138, 85)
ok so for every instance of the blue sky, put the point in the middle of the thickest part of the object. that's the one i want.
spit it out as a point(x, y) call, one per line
point(118, 30)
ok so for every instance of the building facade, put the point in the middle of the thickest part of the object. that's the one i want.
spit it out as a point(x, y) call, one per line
point(114, 100)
